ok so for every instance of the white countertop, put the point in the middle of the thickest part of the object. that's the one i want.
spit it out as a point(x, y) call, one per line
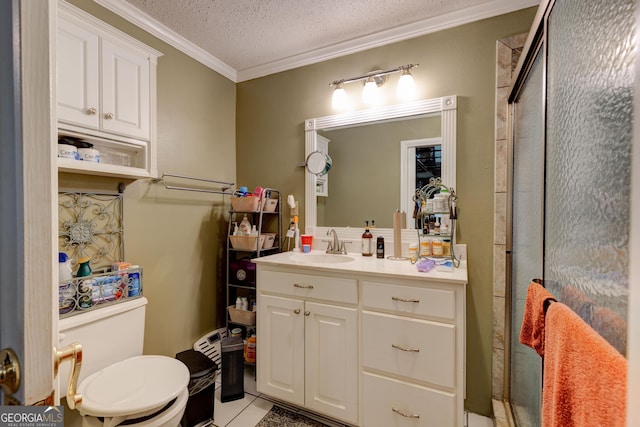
point(362, 264)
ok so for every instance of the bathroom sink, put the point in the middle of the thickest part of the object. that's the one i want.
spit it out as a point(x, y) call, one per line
point(321, 258)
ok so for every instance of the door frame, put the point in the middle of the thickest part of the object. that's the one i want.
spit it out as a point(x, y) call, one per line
point(28, 190)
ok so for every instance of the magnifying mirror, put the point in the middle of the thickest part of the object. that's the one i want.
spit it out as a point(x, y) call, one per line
point(318, 163)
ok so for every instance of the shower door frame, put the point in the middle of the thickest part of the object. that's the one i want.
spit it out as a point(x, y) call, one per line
point(536, 41)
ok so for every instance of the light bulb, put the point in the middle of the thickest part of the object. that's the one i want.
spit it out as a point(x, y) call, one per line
point(406, 86)
point(370, 93)
point(339, 98)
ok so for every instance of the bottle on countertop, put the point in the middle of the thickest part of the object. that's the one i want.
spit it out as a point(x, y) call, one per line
point(367, 241)
point(380, 247)
point(245, 226)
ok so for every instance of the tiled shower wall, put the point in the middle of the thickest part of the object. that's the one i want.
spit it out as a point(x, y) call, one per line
point(508, 52)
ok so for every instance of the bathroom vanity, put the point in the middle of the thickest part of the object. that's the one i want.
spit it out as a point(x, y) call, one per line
point(367, 341)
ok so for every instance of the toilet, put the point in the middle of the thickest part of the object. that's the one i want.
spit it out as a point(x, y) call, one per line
point(118, 384)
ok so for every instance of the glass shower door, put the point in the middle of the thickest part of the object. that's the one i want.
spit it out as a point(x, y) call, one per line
point(527, 242)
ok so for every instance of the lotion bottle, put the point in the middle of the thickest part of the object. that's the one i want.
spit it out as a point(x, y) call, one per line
point(367, 241)
point(245, 226)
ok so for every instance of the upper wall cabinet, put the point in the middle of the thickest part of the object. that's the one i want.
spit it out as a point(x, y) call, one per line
point(106, 91)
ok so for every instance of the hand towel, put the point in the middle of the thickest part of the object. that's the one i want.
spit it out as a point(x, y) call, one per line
point(584, 377)
point(532, 330)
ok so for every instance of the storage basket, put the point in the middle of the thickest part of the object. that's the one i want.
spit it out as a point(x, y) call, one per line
point(269, 239)
point(270, 205)
point(246, 243)
point(243, 317)
point(245, 204)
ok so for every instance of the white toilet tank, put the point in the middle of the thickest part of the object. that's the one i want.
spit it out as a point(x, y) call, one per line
point(108, 334)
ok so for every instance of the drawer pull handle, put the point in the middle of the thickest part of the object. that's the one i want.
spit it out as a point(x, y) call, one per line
point(404, 414)
point(295, 285)
point(405, 299)
point(403, 348)
point(306, 313)
point(296, 311)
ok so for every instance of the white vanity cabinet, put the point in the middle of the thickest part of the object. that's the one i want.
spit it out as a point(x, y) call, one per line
point(412, 353)
point(308, 341)
point(106, 89)
point(370, 342)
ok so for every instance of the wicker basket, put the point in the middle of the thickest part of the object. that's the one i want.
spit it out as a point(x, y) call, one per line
point(270, 205)
point(247, 243)
point(245, 204)
point(242, 317)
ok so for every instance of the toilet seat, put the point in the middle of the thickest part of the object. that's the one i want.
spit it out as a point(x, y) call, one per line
point(140, 384)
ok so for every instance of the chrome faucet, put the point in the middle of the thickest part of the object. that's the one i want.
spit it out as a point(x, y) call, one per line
point(335, 246)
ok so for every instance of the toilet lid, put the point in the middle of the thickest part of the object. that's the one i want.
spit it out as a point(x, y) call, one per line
point(138, 384)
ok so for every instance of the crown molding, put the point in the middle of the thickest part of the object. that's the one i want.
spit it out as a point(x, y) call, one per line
point(167, 35)
point(405, 32)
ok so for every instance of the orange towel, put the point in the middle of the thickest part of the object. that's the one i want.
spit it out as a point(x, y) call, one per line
point(532, 330)
point(584, 377)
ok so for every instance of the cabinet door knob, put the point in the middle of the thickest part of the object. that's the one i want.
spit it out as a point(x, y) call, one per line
point(108, 116)
point(296, 311)
point(91, 111)
point(306, 313)
point(404, 414)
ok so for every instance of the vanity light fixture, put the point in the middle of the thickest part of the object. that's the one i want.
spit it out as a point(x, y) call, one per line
point(370, 93)
point(372, 81)
point(406, 86)
point(339, 98)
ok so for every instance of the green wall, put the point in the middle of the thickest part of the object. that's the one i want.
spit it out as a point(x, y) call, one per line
point(178, 237)
point(460, 61)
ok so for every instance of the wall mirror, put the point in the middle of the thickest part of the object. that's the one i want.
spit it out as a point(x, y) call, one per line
point(374, 164)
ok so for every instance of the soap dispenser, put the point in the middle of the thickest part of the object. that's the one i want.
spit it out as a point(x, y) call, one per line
point(367, 241)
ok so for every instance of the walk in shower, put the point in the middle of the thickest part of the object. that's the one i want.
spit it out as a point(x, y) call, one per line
point(570, 152)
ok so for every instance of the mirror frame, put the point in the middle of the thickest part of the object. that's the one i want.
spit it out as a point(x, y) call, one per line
point(446, 106)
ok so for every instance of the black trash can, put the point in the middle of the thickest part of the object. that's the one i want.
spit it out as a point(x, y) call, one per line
point(202, 371)
point(232, 369)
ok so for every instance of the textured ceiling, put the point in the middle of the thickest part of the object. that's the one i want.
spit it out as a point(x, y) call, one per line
point(246, 34)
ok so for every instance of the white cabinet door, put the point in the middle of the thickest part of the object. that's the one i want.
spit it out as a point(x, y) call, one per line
point(78, 75)
point(281, 348)
point(331, 360)
point(125, 90)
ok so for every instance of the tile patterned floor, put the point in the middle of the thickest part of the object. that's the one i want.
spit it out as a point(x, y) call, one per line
point(249, 411)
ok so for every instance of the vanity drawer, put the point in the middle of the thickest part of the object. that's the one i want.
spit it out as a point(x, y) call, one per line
point(418, 349)
point(389, 402)
point(410, 300)
point(309, 286)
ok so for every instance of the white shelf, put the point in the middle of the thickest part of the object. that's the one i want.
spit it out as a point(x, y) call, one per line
point(102, 169)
